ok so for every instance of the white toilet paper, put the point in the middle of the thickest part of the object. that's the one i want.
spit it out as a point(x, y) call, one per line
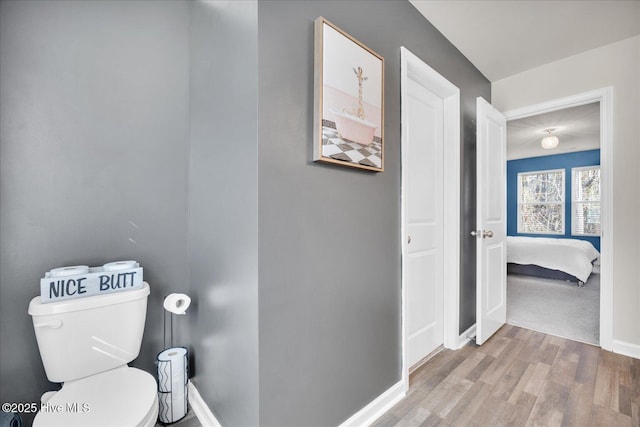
point(173, 375)
point(120, 265)
point(69, 271)
point(176, 303)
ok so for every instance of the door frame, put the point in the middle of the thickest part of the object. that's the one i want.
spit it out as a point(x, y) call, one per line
point(605, 97)
point(415, 69)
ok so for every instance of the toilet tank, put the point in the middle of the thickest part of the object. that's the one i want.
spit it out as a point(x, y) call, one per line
point(85, 336)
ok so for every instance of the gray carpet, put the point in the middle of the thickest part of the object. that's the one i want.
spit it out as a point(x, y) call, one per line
point(555, 307)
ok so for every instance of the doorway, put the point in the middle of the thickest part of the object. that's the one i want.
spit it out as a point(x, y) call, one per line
point(553, 222)
point(602, 98)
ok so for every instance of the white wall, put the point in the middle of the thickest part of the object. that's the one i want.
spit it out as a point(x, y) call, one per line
point(616, 65)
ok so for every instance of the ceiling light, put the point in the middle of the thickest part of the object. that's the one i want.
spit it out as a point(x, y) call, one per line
point(550, 141)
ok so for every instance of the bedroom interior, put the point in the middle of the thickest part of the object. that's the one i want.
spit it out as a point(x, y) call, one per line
point(553, 281)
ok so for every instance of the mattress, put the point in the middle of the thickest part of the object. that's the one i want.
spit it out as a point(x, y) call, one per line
point(572, 256)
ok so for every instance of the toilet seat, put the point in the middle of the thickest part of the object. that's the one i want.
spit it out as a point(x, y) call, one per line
point(120, 397)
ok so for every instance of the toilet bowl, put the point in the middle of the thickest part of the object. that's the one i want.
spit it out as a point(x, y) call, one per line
point(86, 344)
point(121, 397)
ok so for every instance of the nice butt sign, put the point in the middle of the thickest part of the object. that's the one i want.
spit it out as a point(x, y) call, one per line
point(82, 281)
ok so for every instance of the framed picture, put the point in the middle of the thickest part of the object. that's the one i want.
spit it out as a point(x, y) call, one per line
point(349, 100)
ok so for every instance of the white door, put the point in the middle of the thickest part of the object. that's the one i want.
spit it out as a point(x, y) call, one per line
point(423, 171)
point(491, 222)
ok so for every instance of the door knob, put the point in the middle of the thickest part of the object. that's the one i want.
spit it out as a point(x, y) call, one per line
point(482, 234)
point(408, 240)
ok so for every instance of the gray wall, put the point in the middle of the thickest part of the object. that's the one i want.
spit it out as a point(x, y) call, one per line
point(467, 312)
point(329, 236)
point(94, 130)
point(223, 208)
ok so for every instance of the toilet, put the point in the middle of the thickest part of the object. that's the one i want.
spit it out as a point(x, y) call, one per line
point(85, 344)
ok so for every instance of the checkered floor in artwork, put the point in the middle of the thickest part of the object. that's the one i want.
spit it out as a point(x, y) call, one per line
point(348, 151)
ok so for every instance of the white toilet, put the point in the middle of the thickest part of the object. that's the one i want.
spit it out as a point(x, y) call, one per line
point(86, 344)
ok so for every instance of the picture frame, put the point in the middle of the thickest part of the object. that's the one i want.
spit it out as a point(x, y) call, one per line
point(348, 100)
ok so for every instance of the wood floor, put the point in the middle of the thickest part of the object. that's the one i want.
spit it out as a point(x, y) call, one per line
point(522, 378)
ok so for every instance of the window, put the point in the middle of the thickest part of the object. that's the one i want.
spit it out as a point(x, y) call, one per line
point(541, 202)
point(585, 201)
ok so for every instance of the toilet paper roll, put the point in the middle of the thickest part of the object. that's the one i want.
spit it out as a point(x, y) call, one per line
point(120, 265)
point(173, 375)
point(69, 271)
point(176, 303)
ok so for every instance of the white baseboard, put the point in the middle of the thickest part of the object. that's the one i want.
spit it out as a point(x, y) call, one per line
point(466, 336)
point(626, 349)
point(374, 410)
point(200, 408)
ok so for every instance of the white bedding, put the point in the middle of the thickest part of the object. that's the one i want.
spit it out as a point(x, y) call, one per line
point(569, 255)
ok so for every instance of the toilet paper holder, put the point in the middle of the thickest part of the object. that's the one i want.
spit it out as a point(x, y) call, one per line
point(174, 303)
point(173, 365)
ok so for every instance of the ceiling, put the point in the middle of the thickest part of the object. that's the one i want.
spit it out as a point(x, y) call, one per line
point(577, 128)
point(506, 37)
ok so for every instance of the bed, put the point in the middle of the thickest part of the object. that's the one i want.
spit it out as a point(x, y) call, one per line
point(560, 259)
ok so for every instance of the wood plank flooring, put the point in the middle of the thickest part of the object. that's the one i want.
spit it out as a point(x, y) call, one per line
point(522, 378)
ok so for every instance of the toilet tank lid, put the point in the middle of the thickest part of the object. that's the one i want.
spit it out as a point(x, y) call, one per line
point(37, 308)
